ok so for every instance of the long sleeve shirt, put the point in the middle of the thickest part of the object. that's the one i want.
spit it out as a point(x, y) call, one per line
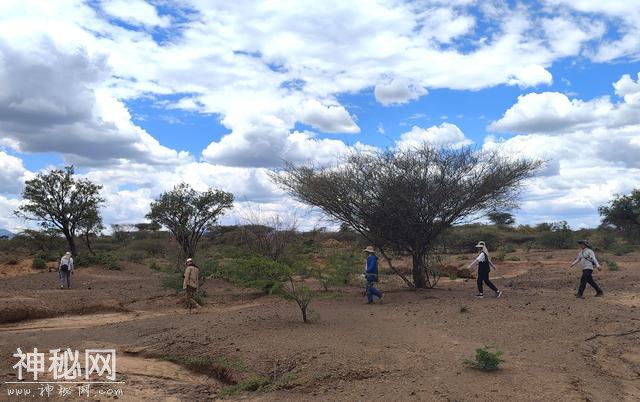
point(66, 261)
point(372, 265)
point(191, 277)
point(587, 259)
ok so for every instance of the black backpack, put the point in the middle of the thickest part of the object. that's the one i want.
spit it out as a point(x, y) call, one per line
point(64, 267)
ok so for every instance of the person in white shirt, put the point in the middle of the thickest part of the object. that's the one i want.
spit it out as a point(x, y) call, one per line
point(587, 260)
point(65, 268)
point(484, 266)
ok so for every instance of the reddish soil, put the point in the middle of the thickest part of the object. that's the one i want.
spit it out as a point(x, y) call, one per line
point(411, 347)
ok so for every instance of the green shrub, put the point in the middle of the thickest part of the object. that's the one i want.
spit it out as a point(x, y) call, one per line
point(105, 260)
point(200, 297)
point(343, 266)
point(256, 272)
point(485, 359)
point(509, 248)
point(512, 258)
point(172, 281)
point(155, 266)
point(611, 265)
point(620, 249)
point(39, 263)
point(252, 384)
point(136, 256)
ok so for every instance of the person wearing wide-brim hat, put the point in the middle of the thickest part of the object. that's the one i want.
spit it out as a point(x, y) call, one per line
point(371, 275)
point(484, 267)
point(191, 283)
point(587, 260)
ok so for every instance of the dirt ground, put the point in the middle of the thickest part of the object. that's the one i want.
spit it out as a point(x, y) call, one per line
point(410, 347)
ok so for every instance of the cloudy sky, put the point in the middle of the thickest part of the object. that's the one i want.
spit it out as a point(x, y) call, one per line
point(140, 95)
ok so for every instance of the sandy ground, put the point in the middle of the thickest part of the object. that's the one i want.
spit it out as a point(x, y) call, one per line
point(411, 347)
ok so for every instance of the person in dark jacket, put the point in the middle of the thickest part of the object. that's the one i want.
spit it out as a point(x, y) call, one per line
point(371, 275)
point(484, 267)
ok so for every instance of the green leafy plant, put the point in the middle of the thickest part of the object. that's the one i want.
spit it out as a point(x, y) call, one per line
point(38, 263)
point(485, 359)
point(253, 384)
point(611, 265)
point(200, 297)
point(172, 281)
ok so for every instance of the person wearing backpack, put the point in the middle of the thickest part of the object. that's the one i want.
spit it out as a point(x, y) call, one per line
point(484, 267)
point(65, 269)
point(371, 275)
point(587, 260)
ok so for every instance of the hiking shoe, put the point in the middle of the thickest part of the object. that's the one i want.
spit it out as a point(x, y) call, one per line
point(479, 295)
point(498, 294)
point(579, 296)
point(599, 294)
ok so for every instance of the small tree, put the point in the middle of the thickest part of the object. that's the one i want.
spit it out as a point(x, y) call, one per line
point(403, 200)
point(623, 213)
point(188, 213)
point(58, 200)
point(91, 226)
point(269, 236)
point(501, 218)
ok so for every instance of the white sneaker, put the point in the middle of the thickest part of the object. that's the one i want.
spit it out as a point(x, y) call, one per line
point(479, 295)
point(498, 294)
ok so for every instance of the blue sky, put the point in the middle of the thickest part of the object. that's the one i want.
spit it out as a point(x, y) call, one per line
point(141, 95)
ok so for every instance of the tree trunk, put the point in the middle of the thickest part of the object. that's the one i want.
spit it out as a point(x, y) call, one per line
point(87, 241)
point(419, 274)
point(395, 271)
point(72, 243)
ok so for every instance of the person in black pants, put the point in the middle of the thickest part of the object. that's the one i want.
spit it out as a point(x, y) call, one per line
point(587, 260)
point(484, 266)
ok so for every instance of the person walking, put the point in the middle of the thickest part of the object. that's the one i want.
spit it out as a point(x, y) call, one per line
point(371, 275)
point(587, 260)
point(65, 269)
point(484, 267)
point(191, 283)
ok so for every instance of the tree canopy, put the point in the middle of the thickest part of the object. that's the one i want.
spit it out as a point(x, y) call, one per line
point(58, 200)
point(188, 213)
point(402, 200)
point(623, 213)
point(501, 218)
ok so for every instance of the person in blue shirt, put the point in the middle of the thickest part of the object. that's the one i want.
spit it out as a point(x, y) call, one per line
point(371, 274)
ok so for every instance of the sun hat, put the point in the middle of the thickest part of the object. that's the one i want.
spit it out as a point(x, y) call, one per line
point(586, 243)
point(480, 245)
point(370, 249)
point(189, 260)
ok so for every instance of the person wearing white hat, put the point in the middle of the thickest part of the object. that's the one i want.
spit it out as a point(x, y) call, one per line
point(65, 269)
point(191, 283)
point(484, 266)
point(587, 260)
point(371, 274)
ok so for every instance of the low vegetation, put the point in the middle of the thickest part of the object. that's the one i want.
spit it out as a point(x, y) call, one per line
point(485, 359)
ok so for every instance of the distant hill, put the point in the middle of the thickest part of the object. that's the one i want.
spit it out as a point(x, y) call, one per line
point(4, 232)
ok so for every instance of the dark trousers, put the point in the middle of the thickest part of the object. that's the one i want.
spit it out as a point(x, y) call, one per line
point(483, 276)
point(587, 277)
point(65, 278)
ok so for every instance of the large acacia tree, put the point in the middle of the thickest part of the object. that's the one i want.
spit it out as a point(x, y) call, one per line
point(60, 201)
point(403, 200)
point(188, 213)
